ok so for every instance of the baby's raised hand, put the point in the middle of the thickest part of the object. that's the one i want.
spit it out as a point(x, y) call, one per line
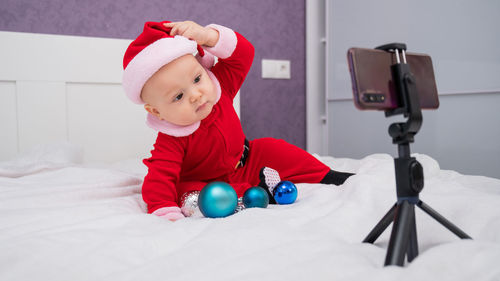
point(202, 35)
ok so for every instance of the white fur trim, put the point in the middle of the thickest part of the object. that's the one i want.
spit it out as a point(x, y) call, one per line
point(226, 44)
point(150, 60)
point(176, 130)
point(170, 129)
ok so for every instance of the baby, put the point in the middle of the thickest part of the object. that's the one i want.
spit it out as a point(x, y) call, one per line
point(189, 101)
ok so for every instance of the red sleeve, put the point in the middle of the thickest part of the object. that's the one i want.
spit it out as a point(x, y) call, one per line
point(164, 166)
point(235, 56)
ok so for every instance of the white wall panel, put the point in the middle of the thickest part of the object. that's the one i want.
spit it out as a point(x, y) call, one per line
point(46, 57)
point(8, 120)
point(106, 124)
point(41, 108)
point(67, 88)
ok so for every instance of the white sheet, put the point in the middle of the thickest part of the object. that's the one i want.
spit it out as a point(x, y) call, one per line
point(67, 221)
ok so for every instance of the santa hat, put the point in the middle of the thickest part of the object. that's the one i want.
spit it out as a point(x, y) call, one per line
point(153, 49)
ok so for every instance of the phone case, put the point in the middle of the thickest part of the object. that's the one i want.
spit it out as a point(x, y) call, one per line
point(372, 83)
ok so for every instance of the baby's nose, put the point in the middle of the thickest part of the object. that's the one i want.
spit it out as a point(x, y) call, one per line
point(195, 96)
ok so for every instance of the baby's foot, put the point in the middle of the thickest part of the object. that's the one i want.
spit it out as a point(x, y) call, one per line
point(269, 178)
point(336, 177)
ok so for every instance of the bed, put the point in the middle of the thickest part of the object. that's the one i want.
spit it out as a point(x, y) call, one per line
point(71, 208)
point(64, 220)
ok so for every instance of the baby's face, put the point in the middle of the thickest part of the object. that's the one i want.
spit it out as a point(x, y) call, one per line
point(180, 92)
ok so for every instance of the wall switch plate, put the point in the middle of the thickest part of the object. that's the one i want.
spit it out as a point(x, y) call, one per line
point(276, 69)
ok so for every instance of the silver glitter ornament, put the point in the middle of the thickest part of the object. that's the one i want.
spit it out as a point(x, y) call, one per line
point(240, 206)
point(189, 203)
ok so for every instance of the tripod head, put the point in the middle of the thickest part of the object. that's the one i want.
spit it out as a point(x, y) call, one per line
point(409, 172)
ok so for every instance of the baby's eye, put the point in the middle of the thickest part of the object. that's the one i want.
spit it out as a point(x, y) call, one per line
point(178, 97)
point(197, 79)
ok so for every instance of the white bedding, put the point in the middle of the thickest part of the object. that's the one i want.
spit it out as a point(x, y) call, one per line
point(61, 220)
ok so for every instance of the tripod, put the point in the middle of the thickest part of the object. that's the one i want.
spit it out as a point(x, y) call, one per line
point(409, 172)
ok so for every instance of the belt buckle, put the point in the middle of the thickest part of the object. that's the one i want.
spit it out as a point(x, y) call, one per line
point(244, 154)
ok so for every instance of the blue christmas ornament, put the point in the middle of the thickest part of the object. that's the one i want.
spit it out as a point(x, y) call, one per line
point(285, 193)
point(217, 199)
point(255, 197)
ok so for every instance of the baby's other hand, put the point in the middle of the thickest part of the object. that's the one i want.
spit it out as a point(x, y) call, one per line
point(170, 213)
point(202, 35)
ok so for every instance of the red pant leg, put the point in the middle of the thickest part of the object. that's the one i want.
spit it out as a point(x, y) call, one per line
point(292, 163)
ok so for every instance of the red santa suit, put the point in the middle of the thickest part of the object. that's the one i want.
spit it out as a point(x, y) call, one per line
point(185, 159)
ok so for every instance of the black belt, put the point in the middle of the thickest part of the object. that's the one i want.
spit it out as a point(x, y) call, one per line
point(244, 155)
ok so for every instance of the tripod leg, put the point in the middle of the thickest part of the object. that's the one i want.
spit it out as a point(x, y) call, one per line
point(413, 244)
point(398, 244)
point(381, 226)
point(442, 220)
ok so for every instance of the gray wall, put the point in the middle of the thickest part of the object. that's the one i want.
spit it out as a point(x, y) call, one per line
point(462, 39)
point(273, 108)
point(463, 135)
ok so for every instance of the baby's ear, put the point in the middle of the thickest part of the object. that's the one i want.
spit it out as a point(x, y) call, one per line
point(152, 110)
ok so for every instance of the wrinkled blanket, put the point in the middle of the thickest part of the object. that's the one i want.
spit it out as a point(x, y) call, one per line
point(63, 220)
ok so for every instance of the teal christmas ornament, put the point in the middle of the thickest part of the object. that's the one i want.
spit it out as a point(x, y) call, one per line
point(285, 193)
point(217, 200)
point(255, 197)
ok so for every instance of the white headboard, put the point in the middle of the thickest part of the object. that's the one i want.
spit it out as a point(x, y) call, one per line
point(57, 88)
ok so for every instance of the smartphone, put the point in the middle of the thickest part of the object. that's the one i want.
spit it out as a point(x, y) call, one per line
point(372, 84)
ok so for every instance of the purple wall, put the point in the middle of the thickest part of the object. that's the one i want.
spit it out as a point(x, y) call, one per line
point(270, 108)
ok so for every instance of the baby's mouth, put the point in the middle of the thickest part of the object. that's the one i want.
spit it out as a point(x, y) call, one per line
point(201, 107)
